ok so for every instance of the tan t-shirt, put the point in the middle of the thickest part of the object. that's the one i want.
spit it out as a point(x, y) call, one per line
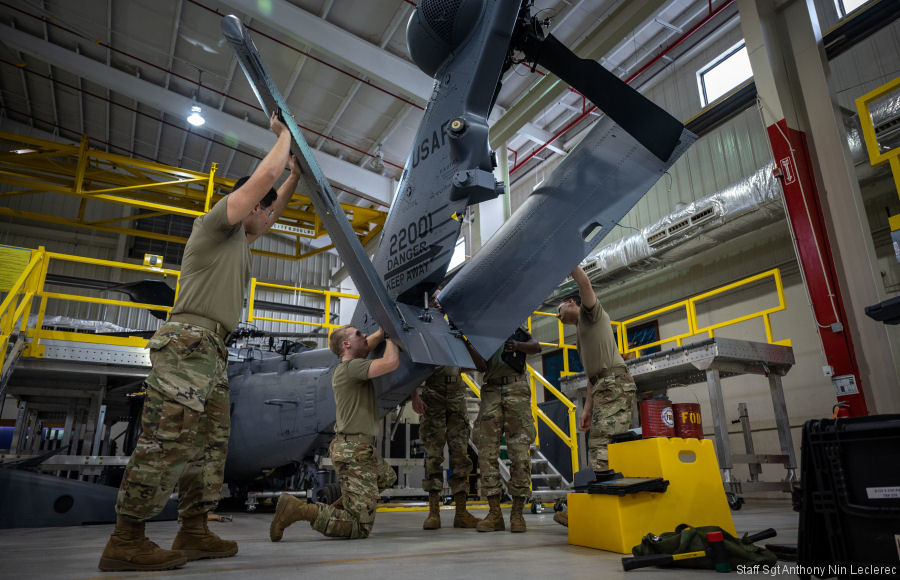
point(596, 343)
point(354, 396)
point(215, 269)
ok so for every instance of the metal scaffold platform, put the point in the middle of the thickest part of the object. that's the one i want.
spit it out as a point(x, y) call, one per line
point(78, 391)
point(710, 361)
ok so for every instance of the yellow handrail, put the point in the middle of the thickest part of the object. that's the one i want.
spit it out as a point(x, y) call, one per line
point(534, 377)
point(31, 284)
point(693, 326)
point(17, 304)
point(876, 156)
point(38, 333)
point(40, 166)
point(562, 341)
point(763, 314)
point(677, 339)
point(570, 440)
point(471, 384)
point(254, 284)
point(690, 311)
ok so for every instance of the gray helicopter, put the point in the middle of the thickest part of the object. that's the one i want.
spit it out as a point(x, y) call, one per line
point(282, 407)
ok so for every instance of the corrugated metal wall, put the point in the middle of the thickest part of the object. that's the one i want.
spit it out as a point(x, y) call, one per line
point(866, 66)
point(313, 272)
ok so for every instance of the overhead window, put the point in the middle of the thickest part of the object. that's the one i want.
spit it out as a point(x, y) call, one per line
point(727, 71)
point(459, 253)
point(845, 7)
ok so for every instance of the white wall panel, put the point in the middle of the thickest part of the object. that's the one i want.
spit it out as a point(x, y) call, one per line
point(866, 66)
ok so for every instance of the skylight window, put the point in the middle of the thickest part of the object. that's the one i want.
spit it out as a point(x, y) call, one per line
point(845, 7)
point(459, 253)
point(729, 70)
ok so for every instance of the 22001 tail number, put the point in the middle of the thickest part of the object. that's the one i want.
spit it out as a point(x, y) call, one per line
point(408, 235)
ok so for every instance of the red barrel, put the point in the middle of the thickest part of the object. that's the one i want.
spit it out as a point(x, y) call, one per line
point(656, 418)
point(687, 420)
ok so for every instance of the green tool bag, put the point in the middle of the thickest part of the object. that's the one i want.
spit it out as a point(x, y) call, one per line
point(687, 539)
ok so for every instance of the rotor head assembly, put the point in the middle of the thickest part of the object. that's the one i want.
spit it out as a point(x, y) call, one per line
point(437, 28)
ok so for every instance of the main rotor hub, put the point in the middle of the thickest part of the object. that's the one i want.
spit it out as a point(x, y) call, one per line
point(437, 28)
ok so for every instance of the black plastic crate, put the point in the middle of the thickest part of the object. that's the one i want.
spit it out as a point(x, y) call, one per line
point(850, 512)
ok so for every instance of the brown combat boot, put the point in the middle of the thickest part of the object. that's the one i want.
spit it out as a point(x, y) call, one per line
point(129, 549)
point(562, 518)
point(289, 510)
point(516, 519)
point(463, 519)
point(493, 522)
point(433, 521)
point(196, 542)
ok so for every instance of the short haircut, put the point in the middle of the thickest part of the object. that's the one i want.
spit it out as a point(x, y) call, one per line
point(336, 338)
point(266, 201)
point(576, 298)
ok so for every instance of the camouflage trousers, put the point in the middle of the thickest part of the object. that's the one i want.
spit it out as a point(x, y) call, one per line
point(505, 409)
point(185, 425)
point(445, 421)
point(613, 401)
point(362, 475)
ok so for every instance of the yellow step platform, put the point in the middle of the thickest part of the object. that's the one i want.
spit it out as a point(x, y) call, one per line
point(695, 495)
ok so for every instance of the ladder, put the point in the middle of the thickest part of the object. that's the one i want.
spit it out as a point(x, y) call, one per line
point(13, 353)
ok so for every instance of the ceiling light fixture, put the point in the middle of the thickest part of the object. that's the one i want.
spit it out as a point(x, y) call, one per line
point(377, 161)
point(195, 117)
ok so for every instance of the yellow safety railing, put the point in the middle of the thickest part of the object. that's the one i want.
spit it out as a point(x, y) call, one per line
point(561, 342)
point(328, 294)
point(16, 307)
point(30, 285)
point(38, 333)
point(32, 166)
point(535, 378)
point(876, 156)
point(677, 339)
point(693, 326)
point(570, 440)
point(710, 329)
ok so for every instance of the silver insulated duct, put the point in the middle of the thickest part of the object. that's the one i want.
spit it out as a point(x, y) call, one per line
point(742, 207)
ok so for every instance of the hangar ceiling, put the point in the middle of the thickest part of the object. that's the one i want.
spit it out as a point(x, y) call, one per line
point(127, 73)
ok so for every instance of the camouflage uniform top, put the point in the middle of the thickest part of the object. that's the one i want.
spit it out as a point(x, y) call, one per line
point(215, 269)
point(354, 396)
point(443, 376)
point(596, 344)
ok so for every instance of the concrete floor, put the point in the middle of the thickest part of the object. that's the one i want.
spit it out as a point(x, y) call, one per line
point(397, 548)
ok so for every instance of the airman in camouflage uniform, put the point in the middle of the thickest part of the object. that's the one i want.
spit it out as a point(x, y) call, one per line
point(186, 416)
point(360, 470)
point(445, 419)
point(610, 398)
point(185, 426)
point(505, 410)
point(362, 475)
